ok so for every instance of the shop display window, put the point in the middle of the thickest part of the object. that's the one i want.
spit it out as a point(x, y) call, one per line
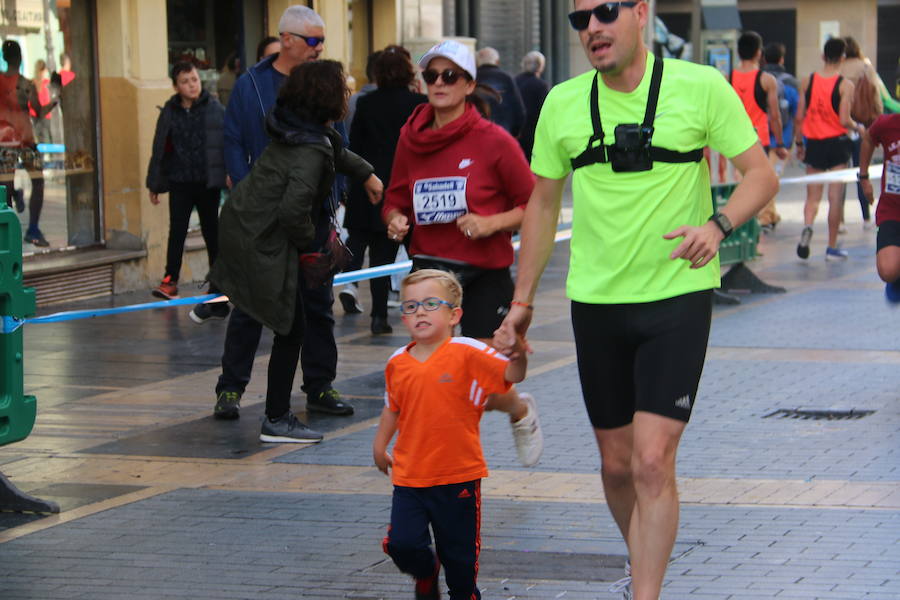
point(48, 122)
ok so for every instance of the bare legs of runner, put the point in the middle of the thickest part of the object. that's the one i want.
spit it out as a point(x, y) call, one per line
point(835, 204)
point(638, 472)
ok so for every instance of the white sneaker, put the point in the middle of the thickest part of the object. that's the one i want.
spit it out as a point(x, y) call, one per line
point(868, 225)
point(623, 585)
point(393, 299)
point(528, 435)
point(349, 298)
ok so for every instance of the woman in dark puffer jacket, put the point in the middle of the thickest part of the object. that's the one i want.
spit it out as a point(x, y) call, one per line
point(267, 223)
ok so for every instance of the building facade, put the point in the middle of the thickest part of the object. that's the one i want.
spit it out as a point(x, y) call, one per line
point(83, 141)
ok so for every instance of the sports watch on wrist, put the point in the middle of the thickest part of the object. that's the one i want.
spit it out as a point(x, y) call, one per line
point(723, 223)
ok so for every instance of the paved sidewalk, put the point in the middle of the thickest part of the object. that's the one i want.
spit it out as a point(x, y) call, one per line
point(161, 501)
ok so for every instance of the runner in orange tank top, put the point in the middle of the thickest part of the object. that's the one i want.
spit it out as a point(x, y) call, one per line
point(759, 92)
point(824, 119)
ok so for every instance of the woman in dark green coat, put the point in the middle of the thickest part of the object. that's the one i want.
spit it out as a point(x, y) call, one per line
point(269, 220)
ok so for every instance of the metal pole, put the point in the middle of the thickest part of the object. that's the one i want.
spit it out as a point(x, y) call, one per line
point(696, 28)
point(650, 29)
point(48, 40)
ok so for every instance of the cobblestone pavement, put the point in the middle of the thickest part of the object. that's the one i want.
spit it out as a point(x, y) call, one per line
point(161, 501)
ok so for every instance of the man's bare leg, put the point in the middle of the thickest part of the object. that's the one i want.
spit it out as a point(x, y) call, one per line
point(888, 263)
point(638, 472)
point(616, 447)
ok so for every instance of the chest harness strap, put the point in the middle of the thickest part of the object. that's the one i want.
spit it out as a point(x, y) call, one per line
point(599, 154)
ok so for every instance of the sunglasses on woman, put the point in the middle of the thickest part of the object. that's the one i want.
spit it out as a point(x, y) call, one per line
point(450, 76)
point(310, 40)
point(607, 13)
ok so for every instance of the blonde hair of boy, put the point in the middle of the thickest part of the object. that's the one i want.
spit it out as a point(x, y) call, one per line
point(446, 280)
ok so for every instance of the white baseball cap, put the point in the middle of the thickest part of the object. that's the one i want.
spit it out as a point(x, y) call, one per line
point(451, 50)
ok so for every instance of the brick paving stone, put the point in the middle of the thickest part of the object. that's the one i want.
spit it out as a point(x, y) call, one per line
point(265, 555)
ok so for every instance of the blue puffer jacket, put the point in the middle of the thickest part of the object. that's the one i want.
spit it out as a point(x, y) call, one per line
point(251, 99)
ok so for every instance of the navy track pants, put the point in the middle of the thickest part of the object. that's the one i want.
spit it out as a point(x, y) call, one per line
point(454, 513)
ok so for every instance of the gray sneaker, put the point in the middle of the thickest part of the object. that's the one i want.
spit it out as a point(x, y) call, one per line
point(228, 405)
point(289, 430)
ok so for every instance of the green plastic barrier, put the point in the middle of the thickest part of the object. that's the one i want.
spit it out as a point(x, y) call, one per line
point(736, 251)
point(741, 244)
point(17, 411)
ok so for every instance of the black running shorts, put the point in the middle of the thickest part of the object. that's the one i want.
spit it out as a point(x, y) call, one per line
point(646, 357)
point(888, 234)
point(829, 153)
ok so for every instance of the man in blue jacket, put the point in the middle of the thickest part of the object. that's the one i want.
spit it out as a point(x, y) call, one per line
point(302, 34)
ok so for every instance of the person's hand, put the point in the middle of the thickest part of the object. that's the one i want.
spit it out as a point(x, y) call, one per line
point(154, 198)
point(374, 188)
point(801, 152)
point(398, 228)
point(509, 338)
point(475, 227)
point(700, 244)
point(867, 190)
point(384, 461)
point(782, 153)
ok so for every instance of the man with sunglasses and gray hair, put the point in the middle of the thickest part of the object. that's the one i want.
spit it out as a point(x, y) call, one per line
point(644, 254)
point(302, 36)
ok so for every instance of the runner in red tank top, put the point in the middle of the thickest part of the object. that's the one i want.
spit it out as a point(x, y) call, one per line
point(885, 132)
point(759, 92)
point(824, 119)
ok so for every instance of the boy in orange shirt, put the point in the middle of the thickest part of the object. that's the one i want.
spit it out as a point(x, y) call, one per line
point(435, 390)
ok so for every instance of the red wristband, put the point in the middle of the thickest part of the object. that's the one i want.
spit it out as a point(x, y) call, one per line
point(522, 304)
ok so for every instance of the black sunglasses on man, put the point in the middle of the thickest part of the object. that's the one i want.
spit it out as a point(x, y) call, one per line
point(311, 41)
point(607, 13)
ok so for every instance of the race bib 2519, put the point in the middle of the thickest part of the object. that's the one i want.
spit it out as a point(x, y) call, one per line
point(439, 200)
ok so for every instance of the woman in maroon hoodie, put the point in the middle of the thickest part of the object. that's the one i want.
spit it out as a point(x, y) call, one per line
point(464, 182)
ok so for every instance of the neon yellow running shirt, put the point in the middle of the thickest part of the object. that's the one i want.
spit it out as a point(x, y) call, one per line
point(618, 254)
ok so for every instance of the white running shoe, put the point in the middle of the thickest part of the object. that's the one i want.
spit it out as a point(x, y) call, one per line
point(623, 585)
point(528, 435)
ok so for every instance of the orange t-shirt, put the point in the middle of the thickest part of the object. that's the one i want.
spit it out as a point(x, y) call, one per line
point(440, 402)
point(745, 86)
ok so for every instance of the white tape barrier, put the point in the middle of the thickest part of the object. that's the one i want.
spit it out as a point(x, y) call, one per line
point(840, 176)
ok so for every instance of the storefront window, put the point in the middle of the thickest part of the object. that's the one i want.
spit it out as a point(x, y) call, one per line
point(48, 144)
point(218, 36)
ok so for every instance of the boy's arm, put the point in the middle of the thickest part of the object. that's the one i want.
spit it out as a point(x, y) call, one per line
point(387, 426)
point(518, 366)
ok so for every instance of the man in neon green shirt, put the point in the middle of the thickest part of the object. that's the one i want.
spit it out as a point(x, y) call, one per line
point(644, 253)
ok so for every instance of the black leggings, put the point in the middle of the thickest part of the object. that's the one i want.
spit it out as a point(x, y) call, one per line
point(35, 203)
point(863, 202)
point(183, 197)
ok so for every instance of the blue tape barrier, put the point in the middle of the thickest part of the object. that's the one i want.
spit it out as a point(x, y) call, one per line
point(51, 148)
point(11, 324)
